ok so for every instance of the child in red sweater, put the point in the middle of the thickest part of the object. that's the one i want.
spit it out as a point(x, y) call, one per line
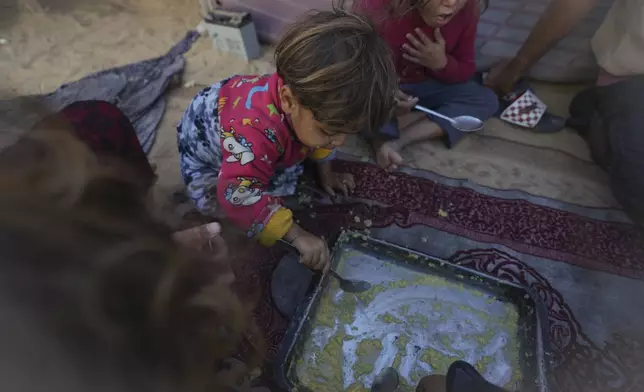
point(432, 42)
point(242, 140)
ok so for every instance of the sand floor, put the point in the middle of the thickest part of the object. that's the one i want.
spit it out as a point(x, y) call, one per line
point(47, 43)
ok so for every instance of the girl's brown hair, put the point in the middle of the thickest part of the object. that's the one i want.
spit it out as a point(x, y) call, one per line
point(126, 303)
point(398, 8)
point(337, 65)
point(391, 8)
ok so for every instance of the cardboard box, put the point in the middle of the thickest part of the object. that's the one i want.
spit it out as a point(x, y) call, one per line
point(233, 32)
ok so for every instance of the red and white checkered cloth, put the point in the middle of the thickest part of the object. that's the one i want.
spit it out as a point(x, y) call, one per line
point(526, 110)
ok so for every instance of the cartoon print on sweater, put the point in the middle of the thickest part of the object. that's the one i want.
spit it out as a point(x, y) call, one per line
point(243, 81)
point(221, 102)
point(249, 122)
point(246, 193)
point(271, 135)
point(266, 159)
point(272, 109)
point(238, 147)
point(255, 229)
point(256, 89)
point(236, 102)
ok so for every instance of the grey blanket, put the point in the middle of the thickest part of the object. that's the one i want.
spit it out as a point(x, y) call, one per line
point(137, 89)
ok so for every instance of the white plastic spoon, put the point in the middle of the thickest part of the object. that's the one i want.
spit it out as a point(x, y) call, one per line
point(462, 123)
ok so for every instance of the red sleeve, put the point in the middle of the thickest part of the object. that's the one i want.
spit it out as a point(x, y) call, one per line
point(248, 157)
point(461, 61)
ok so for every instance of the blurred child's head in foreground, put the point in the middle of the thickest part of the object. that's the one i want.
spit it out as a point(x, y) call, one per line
point(95, 298)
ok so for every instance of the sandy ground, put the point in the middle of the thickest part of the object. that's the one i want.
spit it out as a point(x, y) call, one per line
point(56, 41)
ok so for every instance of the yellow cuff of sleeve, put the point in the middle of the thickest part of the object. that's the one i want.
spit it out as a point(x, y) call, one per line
point(277, 227)
point(320, 154)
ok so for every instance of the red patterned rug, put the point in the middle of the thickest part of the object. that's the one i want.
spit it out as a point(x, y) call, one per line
point(403, 201)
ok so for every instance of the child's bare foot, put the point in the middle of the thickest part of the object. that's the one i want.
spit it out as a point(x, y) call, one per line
point(388, 155)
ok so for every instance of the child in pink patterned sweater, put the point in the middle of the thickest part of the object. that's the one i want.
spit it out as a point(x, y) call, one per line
point(242, 140)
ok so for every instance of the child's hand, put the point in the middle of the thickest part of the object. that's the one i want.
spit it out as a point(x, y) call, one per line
point(314, 253)
point(332, 181)
point(198, 237)
point(426, 52)
point(404, 103)
point(206, 238)
point(503, 76)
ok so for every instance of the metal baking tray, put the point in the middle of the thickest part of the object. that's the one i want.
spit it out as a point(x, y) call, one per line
point(420, 315)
